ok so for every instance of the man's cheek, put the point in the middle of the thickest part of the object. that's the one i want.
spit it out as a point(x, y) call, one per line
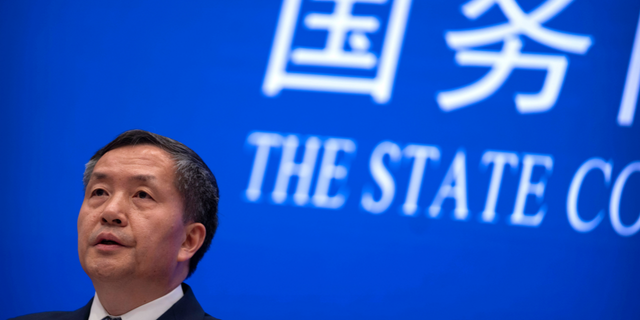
point(82, 218)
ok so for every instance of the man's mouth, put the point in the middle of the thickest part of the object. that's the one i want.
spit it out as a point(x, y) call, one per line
point(109, 242)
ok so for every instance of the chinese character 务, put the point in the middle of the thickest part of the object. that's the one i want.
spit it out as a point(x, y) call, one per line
point(510, 57)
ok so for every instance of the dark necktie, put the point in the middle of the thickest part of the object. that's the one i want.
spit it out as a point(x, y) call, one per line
point(111, 318)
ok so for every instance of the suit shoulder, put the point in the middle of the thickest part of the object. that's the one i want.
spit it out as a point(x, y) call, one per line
point(42, 316)
point(209, 317)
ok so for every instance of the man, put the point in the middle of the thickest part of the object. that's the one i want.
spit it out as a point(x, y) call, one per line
point(148, 216)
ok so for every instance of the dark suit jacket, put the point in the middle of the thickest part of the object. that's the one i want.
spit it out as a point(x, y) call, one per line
point(186, 308)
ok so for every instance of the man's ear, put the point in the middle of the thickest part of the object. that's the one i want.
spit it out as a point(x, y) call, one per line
point(195, 234)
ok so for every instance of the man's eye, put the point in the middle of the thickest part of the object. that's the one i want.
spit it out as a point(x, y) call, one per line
point(99, 193)
point(143, 195)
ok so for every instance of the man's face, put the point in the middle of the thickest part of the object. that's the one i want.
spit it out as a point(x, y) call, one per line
point(131, 225)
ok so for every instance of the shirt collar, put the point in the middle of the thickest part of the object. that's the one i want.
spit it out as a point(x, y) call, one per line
point(151, 310)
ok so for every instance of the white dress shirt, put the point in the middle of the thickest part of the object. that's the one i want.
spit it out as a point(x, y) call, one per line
point(148, 311)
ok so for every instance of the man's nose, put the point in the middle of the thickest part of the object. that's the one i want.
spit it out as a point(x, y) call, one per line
point(115, 211)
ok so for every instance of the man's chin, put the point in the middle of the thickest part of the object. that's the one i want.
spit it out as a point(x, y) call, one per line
point(102, 269)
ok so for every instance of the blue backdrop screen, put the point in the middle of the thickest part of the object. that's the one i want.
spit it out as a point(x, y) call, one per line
point(377, 159)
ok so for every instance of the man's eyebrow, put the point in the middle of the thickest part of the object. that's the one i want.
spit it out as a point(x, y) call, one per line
point(99, 175)
point(140, 177)
point(143, 177)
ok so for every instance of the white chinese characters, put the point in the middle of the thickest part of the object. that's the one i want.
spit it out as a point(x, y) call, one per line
point(503, 62)
point(342, 28)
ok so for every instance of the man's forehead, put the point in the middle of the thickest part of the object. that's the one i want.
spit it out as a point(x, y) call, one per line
point(139, 162)
point(137, 152)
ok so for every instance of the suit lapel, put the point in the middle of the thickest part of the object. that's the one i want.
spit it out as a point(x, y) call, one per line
point(80, 314)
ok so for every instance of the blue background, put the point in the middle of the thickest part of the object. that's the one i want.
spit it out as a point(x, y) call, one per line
point(74, 74)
